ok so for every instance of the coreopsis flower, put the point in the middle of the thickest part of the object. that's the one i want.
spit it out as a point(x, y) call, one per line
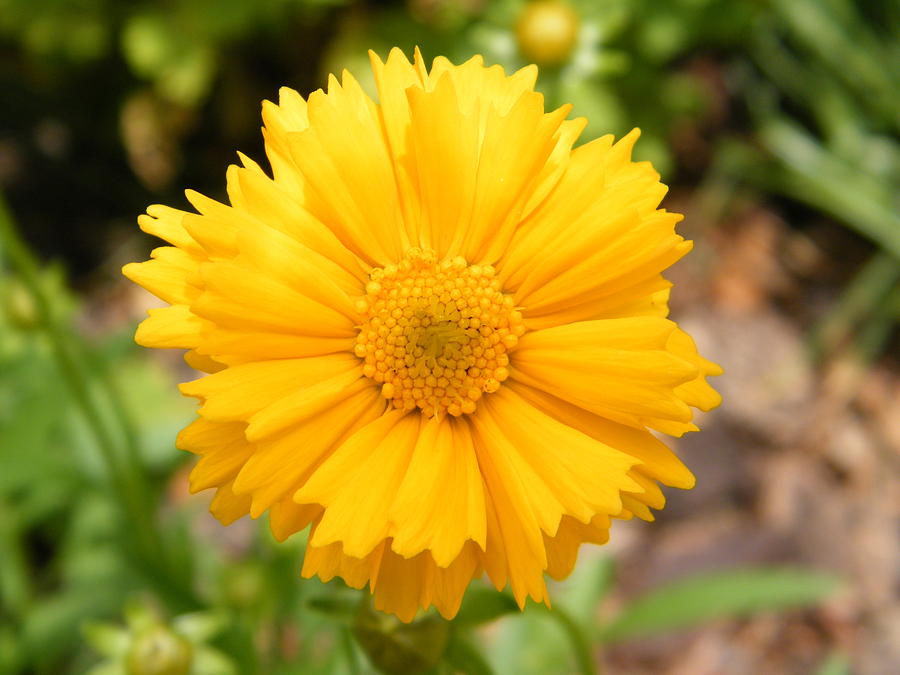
point(436, 335)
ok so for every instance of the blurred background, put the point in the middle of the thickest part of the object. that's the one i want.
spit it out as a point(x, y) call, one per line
point(775, 123)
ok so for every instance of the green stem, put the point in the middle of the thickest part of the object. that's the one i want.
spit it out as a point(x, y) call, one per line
point(862, 297)
point(16, 586)
point(349, 649)
point(125, 476)
point(584, 654)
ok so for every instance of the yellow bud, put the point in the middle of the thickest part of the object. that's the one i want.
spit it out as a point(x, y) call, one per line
point(547, 31)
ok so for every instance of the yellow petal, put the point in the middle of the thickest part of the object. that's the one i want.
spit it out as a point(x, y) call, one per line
point(597, 234)
point(170, 327)
point(440, 503)
point(531, 487)
point(329, 561)
point(288, 116)
point(236, 346)
point(227, 507)
point(348, 172)
point(445, 163)
point(287, 517)
point(239, 392)
point(587, 478)
point(656, 460)
point(215, 227)
point(514, 149)
point(306, 402)
point(357, 484)
point(274, 209)
point(166, 223)
point(401, 586)
point(474, 184)
point(171, 275)
point(281, 465)
point(562, 549)
point(393, 78)
point(267, 252)
point(236, 298)
point(696, 392)
point(616, 368)
point(647, 297)
point(223, 449)
point(202, 362)
point(557, 162)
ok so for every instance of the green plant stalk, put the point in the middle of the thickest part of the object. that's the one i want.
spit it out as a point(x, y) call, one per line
point(349, 650)
point(15, 585)
point(584, 654)
point(866, 291)
point(126, 479)
point(877, 330)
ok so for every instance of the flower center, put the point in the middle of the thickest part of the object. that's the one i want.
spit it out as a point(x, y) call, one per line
point(436, 334)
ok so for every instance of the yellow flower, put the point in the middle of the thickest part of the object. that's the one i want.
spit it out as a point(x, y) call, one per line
point(437, 335)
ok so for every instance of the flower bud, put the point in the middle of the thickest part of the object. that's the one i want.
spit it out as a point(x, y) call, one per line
point(159, 651)
point(400, 648)
point(547, 31)
point(19, 306)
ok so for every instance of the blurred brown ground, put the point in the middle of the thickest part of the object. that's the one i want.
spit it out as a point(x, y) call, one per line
point(799, 466)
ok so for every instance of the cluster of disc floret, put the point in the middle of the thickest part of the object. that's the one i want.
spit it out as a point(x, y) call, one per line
point(436, 334)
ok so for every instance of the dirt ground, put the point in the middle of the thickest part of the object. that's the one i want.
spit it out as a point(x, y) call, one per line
point(798, 467)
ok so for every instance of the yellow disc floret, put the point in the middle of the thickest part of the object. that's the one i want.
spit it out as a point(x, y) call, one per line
point(436, 334)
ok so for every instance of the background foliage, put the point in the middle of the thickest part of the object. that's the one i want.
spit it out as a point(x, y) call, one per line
point(776, 123)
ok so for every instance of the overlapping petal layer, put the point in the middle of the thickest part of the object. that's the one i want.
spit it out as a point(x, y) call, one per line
point(270, 292)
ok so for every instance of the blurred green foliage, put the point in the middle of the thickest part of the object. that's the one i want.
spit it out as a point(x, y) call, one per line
point(107, 106)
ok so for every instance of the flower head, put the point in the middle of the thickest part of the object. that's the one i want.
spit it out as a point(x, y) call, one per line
point(436, 334)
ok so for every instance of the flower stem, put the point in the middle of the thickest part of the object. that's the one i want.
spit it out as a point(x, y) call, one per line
point(584, 654)
point(126, 475)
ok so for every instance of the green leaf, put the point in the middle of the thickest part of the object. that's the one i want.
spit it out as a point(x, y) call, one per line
point(464, 656)
point(199, 626)
point(208, 661)
point(108, 639)
point(482, 605)
point(578, 640)
point(336, 606)
point(10, 651)
point(836, 663)
point(531, 643)
point(51, 625)
point(691, 601)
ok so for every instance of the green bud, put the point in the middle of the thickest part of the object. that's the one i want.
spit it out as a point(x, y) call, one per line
point(19, 305)
point(401, 648)
point(159, 651)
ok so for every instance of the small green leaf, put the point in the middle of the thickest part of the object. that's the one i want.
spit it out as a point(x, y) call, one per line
point(198, 626)
point(208, 661)
point(482, 605)
point(336, 606)
point(108, 639)
point(138, 615)
point(702, 598)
